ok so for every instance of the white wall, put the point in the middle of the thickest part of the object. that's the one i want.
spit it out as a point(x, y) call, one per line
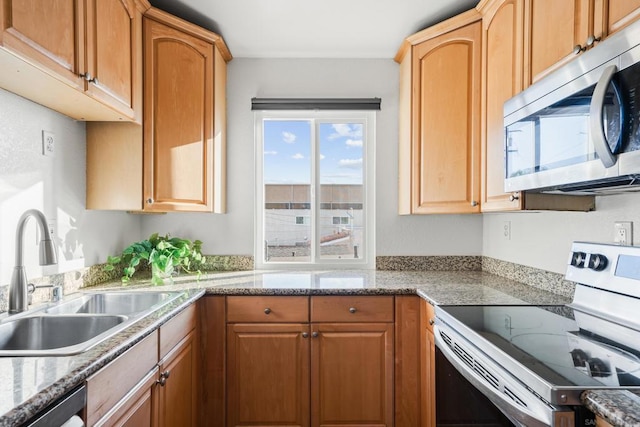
point(56, 186)
point(543, 239)
point(233, 233)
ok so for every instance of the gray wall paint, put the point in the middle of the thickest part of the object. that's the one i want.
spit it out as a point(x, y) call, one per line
point(233, 233)
point(543, 239)
point(56, 186)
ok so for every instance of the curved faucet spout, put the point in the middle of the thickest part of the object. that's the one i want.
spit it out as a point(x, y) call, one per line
point(18, 300)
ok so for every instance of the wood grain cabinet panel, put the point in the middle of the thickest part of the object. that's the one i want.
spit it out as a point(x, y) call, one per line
point(352, 309)
point(621, 13)
point(439, 147)
point(267, 309)
point(268, 374)
point(79, 57)
point(352, 374)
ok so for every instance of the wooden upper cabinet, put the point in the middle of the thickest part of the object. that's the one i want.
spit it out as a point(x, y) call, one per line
point(620, 13)
point(49, 32)
point(114, 55)
point(79, 57)
point(440, 129)
point(179, 149)
point(502, 78)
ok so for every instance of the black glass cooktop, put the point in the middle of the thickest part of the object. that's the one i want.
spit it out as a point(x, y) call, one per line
point(563, 346)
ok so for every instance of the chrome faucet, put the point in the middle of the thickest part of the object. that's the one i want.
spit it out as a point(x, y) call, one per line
point(18, 296)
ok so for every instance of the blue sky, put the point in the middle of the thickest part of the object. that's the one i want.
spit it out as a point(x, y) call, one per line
point(287, 152)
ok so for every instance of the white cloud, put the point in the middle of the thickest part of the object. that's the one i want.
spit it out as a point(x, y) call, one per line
point(346, 130)
point(270, 153)
point(288, 137)
point(350, 163)
point(322, 156)
point(297, 156)
point(354, 143)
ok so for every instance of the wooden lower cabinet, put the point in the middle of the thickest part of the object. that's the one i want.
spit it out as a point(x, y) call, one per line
point(307, 373)
point(268, 374)
point(352, 374)
point(428, 365)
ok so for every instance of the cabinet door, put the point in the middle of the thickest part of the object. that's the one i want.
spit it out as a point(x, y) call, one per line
point(178, 120)
point(46, 32)
point(621, 13)
point(556, 31)
point(502, 77)
point(352, 374)
point(428, 356)
point(267, 375)
point(445, 149)
point(114, 55)
point(176, 390)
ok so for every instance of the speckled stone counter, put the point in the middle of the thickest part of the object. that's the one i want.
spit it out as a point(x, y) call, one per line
point(29, 384)
point(619, 408)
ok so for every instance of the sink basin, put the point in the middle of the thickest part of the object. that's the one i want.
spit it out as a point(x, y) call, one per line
point(38, 335)
point(75, 325)
point(116, 303)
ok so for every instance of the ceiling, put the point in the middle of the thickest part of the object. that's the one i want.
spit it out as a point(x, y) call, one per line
point(314, 28)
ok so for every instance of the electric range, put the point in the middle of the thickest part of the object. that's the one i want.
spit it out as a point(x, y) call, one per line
point(533, 362)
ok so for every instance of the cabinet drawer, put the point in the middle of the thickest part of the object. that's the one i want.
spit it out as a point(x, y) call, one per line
point(271, 309)
point(110, 384)
point(352, 309)
point(172, 332)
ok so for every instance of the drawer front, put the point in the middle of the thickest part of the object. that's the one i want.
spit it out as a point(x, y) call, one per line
point(109, 385)
point(352, 309)
point(269, 309)
point(172, 332)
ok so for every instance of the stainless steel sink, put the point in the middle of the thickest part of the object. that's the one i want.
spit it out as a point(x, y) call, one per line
point(117, 303)
point(75, 325)
point(37, 334)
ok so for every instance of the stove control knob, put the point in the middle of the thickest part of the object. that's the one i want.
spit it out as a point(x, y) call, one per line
point(578, 259)
point(598, 262)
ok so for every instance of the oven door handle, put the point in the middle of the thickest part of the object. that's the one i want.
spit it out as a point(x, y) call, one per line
point(536, 413)
point(596, 116)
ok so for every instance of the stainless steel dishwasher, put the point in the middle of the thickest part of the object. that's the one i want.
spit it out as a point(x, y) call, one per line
point(63, 411)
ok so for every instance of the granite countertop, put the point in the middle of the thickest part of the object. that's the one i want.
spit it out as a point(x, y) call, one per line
point(29, 384)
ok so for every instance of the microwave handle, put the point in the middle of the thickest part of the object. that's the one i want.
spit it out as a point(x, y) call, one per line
point(596, 108)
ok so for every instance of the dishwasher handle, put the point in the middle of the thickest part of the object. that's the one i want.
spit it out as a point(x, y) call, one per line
point(62, 411)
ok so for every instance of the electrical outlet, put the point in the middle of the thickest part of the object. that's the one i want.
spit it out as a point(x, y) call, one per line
point(48, 143)
point(623, 233)
point(506, 230)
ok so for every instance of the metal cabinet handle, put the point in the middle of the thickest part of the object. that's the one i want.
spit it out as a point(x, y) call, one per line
point(314, 335)
point(267, 310)
point(89, 78)
point(352, 310)
point(577, 49)
point(163, 378)
point(596, 111)
point(591, 40)
point(513, 198)
point(474, 203)
point(305, 335)
point(432, 322)
point(149, 200)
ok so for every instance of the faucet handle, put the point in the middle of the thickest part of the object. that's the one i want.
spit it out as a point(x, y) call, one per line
point(56, 293)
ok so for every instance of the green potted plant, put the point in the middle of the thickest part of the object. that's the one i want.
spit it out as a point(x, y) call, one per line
point(166, 255)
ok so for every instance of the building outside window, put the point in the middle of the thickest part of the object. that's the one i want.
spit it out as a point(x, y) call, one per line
point(315, 189)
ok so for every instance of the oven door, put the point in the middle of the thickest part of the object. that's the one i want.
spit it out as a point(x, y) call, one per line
point(512, 397)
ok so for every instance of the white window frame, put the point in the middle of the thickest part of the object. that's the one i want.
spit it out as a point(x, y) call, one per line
point(367, 118)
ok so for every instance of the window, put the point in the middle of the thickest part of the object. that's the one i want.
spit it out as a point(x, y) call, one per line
point(315, 189)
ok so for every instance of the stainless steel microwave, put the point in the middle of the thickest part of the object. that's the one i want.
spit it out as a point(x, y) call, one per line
point(578, 129)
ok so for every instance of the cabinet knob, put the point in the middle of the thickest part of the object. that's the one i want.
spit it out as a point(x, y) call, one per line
point(513, 198)
point(314, 335)
point(267, 310)
point(577, 49)
point(352, 310)
point(163, 378)
point(149, 200)
point(591, 40)
point(305, 335)
point(89, 78)
point(432, 322)
point(474, 203)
